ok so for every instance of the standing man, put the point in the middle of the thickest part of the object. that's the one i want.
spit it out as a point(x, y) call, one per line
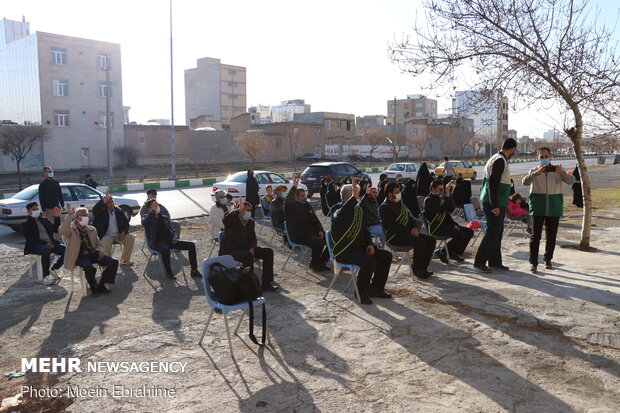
point(113, 227)
point(448, 171)
point(251, 191)
point(546, 203)
point(50, 195)
point(88, 180)
point(494, 196)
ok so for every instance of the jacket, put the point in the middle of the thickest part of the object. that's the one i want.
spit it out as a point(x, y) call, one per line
point(236, 235)
point(546, 198)
point(389, 212)
point(102, 219)
point(342, 217)
point(461, 194)
point(144, 211)
point(514, 209)
point(265, 204)
point(410, 198)
point(371, 211)
point(300, 218)
point(434, 207)
point(216, 217)
point(150, 221)
point(73, 241)
point(30, 230)
point(496, 181)
point(50, 194)
point(251, 190)
point(277, 213)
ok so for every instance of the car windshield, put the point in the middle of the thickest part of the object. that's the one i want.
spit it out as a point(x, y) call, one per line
point(466, 164)
point(27, 194)
point(396, 167)
point(238, 177)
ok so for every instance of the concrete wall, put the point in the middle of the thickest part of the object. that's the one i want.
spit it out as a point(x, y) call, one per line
point(202, 90)
point(152, 143)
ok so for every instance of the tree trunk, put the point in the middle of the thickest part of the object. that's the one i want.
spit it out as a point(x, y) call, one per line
point(586, 223)
point(19, 174)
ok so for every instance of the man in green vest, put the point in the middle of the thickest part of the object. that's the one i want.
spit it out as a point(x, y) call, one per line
point(546, 204)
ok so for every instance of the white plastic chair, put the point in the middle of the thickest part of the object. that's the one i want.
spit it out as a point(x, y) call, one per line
point(34, 259)
point(339, 267)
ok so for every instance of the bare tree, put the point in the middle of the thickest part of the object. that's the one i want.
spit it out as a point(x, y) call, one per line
point(252, 143)
point(18, 141)
point(374, 139)
point(538, 50)
point(127, 155)
point(477, 145)
point(419, 143)
point(291, 135)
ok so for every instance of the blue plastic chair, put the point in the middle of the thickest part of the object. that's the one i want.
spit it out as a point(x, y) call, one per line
point(339, 267)
point(470, 215)
point(220, 308)
point(155, 255)
point(266, 219)
point(302, 248)
point(220, 240)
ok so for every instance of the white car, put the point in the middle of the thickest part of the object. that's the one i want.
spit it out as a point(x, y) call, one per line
point(235, 184)
point(404, 170)
point(13, 210)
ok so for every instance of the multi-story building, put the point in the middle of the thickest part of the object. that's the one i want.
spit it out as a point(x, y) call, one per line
point(337, 127)
point(415, 106)
point(60, 82)
point(367, 123)
point(214, 91)
point(489, 110)
point(286, 110)
point(261, 114)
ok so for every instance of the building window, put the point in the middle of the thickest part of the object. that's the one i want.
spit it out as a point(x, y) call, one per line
point(232, 72)
point(60, 87)
point(330, 141)
point(233, 84)
point(61, 118)
point(278, 142)
point(103, 61)
point(102, 89)
point(329, 124)
point(339, 124)
point(142, 140)
point(59, 56)
point(103, 120)
point(419, 105)
point(418, 114)
point(295, 131)
point(317, 132)
point(349, 125)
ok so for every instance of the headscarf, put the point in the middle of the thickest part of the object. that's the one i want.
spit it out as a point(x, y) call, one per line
point(423, 180)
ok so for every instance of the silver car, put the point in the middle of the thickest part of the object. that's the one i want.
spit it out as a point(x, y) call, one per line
point(13, 210)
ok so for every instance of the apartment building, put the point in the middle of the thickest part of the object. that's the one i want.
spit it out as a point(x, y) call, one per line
point(414, 107)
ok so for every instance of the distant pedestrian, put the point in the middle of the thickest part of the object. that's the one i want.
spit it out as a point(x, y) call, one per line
point(88, 180)
point(251, 191)
point(448, 170)
point(494, 196)
point(423, 180)
point(50, 194)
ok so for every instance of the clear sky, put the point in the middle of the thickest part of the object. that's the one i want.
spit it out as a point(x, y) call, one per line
point(333, 53)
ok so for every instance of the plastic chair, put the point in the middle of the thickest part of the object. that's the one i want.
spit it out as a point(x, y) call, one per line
point(396, 249)
point(470, 215)
point(266, 219)
point(82, 275)
point(155, 255)
point(220, 308)
point(34, 259)
point(442, 239)
point(511, 224)
point(302, 248)
point(339, 267)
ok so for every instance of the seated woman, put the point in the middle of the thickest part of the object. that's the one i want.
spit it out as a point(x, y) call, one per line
point(515, 210)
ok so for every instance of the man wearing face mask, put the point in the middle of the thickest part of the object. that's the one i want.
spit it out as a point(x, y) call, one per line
point(144, 211)
point(113, 227)
point(494, 196)
point(217, 213)
point(240, 242)
point(437, 208)
point(546, 203)
point(402, 229)
point(39, 233)
point(50, 194)
point(162, 237)
point(84, 249)
point(304, 226)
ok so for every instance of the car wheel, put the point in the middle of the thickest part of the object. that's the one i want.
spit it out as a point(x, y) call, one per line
point(473, 177)
point(16, 228)
point(127, 211)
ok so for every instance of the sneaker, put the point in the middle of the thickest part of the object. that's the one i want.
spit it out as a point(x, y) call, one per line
point(103, 289)
point(422, 274)
point(458, 258)
point(482, 268)
point(271, 286)
point(500, 267)
point(443, 257)
point(548, 265)
point(534, 269)
point(379, 294)
point(49, 280)
point(171, 276)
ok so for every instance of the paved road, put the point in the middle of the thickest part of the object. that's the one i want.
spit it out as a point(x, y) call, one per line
point(195, 201)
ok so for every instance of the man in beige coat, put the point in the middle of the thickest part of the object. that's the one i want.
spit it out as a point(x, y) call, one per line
point(84, 249)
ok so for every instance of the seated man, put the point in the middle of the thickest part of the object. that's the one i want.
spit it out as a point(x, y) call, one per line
point(162, 237)
point(371, 214)
point(240, 242)
point(217, 213)
point(152, 194)
point(304, 226)
point(277, 207)
point(84, 249)
point(113, 227)
point(437, 208)
point(39, 233)
point(265, 201)
point(351, 244)
point(461, 194)
point(401, 229)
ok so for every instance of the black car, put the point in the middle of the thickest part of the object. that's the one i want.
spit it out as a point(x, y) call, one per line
point(336, 171)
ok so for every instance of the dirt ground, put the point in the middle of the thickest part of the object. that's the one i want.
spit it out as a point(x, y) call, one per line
point(458, 342)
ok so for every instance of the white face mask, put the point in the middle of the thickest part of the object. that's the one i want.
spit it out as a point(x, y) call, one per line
point(397, 197)
point(36, 213)
point(50, 174)
point(158, 210)
point(84, 221)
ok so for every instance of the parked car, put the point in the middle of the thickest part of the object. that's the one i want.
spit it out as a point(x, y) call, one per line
point(13, 210)
point(401, 170)
point(235, 184)
point(460, 167)
point(616, 159)
point(309, 157)
point(313, 174)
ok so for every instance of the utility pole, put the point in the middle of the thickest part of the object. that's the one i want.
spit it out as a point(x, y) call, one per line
point(395, 154)
point(108, 124)
point(173, 154)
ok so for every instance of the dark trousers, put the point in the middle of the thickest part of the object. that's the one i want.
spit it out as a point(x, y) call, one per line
point(317, 244)
point(247, 259)
point(551, 231)
point(423, 249)
point(45, 252)
point(164, 247)
point(447, 179)
point(375, 267)
point(490, 249)
point(460, 238)
point(107, 276)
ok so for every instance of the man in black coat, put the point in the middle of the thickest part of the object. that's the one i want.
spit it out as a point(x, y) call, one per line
point(437, 208)
point(410, 197)
point(352, 244)
point(402, 229)
point(162, 237)
point(461, 194)
point(251, 191)
point(39, 233)
point(144, 211)
point(113, 227)
point(304, 226)
point(88, 180)
point(50, 194)
point(240, 242)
